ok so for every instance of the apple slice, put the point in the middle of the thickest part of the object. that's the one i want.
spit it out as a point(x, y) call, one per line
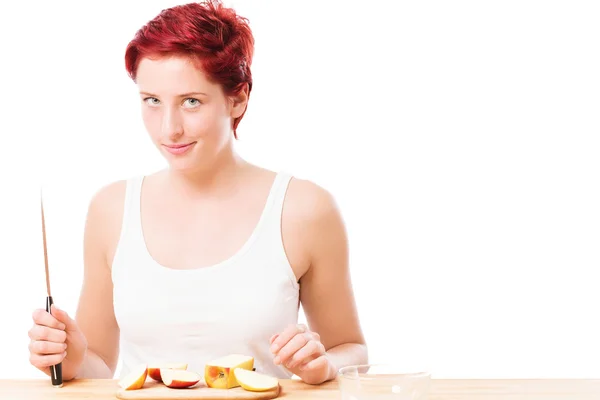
point(178, 378)
point(254, 381)
point(218, 373)
point(135, 379)
point(154, 369)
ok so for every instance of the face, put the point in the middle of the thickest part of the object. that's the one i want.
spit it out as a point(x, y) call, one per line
point(189, 118)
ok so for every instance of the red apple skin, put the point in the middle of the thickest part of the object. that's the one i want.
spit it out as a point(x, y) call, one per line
point(154, 373)
point(181, 384)
point(213, 372)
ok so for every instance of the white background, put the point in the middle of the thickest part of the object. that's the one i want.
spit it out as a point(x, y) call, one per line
point(461, 140)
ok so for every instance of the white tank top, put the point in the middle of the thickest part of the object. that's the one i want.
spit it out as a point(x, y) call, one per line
point(194, 316)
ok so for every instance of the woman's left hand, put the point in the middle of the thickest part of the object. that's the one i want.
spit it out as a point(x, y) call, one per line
point(303, 354)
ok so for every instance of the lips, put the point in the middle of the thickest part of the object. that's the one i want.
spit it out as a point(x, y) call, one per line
point(178, 146)
point(178, 149)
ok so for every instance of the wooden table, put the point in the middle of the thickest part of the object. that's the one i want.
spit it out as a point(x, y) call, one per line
point(442, 389)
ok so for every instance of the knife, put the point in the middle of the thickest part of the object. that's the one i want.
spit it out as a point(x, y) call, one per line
point(55, 370)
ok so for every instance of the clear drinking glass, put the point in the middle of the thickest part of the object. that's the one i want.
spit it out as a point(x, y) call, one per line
point(382, 382)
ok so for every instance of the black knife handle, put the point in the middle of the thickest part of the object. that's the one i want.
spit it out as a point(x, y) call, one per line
point(55, 370)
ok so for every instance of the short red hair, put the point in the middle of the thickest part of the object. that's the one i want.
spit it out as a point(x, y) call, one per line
point(219, 39)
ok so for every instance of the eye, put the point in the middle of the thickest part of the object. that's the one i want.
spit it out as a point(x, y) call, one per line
point(191, 102)
point(153, 101)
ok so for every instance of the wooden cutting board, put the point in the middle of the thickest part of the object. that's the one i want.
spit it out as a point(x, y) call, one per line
point(158, 391)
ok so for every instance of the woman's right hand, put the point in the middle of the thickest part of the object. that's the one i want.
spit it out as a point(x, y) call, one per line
point(56, 338)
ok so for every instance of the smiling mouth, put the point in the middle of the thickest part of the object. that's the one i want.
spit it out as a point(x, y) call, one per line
point(178, 148)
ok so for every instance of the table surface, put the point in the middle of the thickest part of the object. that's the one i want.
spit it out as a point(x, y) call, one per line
point(441, 389)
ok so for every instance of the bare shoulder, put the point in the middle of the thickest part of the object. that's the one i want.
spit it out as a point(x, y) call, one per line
point(312, 225)
point(108, 195)
point(105, 215)
point(310, 202)
point(108, 200)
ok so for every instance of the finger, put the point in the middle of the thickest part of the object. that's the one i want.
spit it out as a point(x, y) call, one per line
point(43, 361)
point(291, 347)
point(286, 336)
point(43, 317)
point(273, 338)
point(39, 332)
point(63, 317)
point(310, 351)
point(317, 363)
point(43, 347)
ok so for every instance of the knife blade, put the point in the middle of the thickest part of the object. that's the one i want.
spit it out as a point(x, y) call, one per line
point(55, 370)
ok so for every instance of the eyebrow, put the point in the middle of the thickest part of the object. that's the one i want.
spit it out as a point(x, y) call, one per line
point(181, 95)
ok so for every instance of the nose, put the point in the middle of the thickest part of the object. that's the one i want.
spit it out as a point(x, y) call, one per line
point(172, 126)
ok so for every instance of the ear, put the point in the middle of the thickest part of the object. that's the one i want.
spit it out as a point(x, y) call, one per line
point(239, 102)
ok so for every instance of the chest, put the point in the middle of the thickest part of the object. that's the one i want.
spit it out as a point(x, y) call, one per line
point(202, 235)
point(181, 238)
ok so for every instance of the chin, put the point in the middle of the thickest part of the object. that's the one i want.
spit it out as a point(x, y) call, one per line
point(186, 164)
point(183, 165)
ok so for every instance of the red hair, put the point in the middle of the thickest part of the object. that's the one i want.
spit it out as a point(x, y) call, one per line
point(215, 36)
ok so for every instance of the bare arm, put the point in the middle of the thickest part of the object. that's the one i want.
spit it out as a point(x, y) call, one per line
point(326, 288)
point(95, 315)
point(318, 246)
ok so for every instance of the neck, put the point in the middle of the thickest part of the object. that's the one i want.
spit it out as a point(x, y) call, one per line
point(220, 173)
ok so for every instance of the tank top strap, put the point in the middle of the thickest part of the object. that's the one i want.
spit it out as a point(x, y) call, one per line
point(277, 198)
point(131, 220)
point(131, 211)
point(270, 240)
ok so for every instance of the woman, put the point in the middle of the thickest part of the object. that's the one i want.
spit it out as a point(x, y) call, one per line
point(213, 255)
